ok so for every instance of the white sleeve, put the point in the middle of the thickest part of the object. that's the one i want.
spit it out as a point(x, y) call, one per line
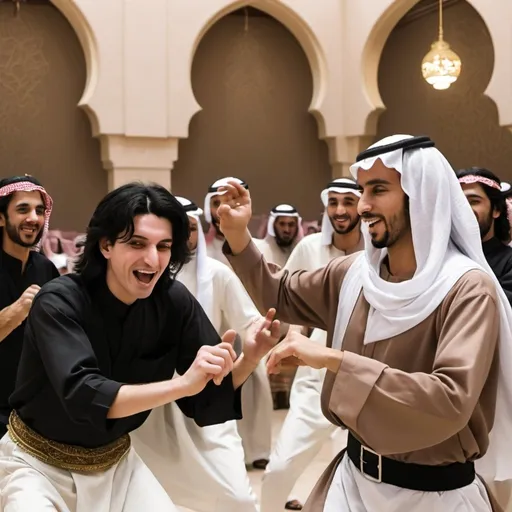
point(238, 310)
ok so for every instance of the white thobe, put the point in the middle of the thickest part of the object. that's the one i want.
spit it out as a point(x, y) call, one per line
point(351, 491)
point(29, 485)
point(271, 251)
point(185, 457)
point(305, 428)
point(214, 250)
point(257, 405)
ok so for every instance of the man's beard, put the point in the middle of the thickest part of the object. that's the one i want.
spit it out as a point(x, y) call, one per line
point(14, 236)
point(485, 225)
point(344, 231)
point(216, 225)
point(282, 242)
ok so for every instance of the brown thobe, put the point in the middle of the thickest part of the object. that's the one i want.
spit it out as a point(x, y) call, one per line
point(426, 396)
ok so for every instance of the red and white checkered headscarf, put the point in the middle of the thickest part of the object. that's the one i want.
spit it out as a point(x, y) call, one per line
point(27, 186)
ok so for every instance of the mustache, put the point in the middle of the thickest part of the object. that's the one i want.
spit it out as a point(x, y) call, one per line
point(372, 216)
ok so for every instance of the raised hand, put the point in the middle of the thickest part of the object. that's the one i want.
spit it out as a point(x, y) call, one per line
point(211, 363)
point(261, 337)
point(235, 211)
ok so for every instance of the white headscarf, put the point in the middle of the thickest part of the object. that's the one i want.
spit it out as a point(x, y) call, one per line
point(447, 244)
point(339, 186)
point(213, 191)
point(204, 281)
point(282, 210)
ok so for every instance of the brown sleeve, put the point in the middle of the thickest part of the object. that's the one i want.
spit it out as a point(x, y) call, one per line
point(303, 298)
point(393, 411)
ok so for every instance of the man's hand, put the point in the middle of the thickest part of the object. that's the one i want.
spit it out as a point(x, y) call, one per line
point(299, 350)
point(24, 303)
point(234, 216)
point(211, 363)
point(262, 336)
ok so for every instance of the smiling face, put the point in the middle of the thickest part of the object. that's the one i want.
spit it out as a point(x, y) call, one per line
point(383, 206)
point(286, 229)
point(342, 212)
point(482, 208)
point(134, 266)
point(24, 222)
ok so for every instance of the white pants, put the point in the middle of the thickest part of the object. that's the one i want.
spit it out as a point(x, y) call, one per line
point(201, 468)
point(350, 491)
point(255, 428)
point(28, 485)
point(304, 431)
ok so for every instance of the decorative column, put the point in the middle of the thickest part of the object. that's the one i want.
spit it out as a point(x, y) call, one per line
point(145, 159)
point(343, 152)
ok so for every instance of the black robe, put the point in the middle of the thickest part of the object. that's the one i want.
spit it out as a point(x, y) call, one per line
point(499, 257)
point(82, 344)
point(38, 270)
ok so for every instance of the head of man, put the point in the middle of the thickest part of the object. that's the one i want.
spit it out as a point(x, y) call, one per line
point(24, 212)
point(213, 201)
point(194, 228)
point(482, 189)
point(384, 206)
point(286, 229)
point(342, 212)
point(137, 240)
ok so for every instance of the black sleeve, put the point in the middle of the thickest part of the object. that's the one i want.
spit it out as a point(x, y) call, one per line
point(215, 404)
point(505, 280)
point(53, 271)
point(69, 361)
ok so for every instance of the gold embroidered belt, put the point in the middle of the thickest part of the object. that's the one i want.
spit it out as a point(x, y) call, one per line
point(66, 456)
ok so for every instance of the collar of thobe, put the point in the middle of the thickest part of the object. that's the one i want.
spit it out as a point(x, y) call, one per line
point(284, 210)
point(213, 191)
point(339, 186)
point(447, 244)
point(204, 294)
point(27, 186)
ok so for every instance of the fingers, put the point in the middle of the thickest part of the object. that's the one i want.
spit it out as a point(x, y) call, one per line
point(280, 352)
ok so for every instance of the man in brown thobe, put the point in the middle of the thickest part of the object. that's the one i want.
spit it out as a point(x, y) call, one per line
point(414, 324)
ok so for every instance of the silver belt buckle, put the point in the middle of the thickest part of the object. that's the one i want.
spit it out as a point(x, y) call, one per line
point(362, 462)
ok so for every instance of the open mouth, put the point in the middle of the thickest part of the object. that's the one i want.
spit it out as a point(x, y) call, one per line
point(29, 230)
point(372, 222)
point(144, 276)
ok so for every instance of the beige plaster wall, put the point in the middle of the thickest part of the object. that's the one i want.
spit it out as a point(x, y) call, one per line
point(139, 57)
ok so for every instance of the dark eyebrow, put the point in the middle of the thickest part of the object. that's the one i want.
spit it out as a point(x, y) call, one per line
point(40, 205)
point(474, 196)
point(377, 181)
point(140, 237)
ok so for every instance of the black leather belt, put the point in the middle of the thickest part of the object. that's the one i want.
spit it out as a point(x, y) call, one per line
point(416, 477)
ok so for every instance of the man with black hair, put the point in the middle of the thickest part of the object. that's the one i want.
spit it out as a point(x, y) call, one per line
point(100, 351)
point(483, 190)
point(25, 209)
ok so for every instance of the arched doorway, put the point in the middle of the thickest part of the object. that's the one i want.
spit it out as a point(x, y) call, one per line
point(254, 84)
point(463, 122)
point(42, 130)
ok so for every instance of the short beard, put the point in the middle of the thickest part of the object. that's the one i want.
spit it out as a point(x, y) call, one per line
point(216, 225)
point(485, 225)
point(345, 231)
point(281, 242)
point(14, 237)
